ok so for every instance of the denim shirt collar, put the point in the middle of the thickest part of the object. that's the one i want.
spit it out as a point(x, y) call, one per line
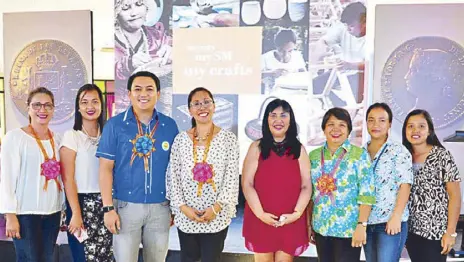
point(129, 114)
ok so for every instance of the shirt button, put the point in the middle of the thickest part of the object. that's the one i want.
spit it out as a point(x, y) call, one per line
point(130, 192)
point(162, 193)
point(127, 123)
point(148, 186)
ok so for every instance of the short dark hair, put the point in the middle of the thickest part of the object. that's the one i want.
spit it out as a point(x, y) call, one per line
point(354, 12)
point(340, 114)
point(145, 74)
point(267, 141)
point(39, 90)
point(432, 138)
point(284, 36)
point(192, 93)
point(384, 107)
point(78, 116)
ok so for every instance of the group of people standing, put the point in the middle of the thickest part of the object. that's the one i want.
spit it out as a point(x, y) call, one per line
point(128, 180)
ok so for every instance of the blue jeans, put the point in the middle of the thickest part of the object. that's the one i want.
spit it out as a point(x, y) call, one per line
point(38, 237)
point(148, 224)
point(77, 248)
point(382, 247)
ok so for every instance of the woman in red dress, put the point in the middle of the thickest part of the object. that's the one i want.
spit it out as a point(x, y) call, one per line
point(277, 188)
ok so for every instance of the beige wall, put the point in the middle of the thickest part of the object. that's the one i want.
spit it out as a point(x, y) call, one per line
point(103, 30)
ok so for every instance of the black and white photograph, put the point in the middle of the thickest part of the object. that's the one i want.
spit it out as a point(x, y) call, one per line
point(143, 42)
point(284, 60)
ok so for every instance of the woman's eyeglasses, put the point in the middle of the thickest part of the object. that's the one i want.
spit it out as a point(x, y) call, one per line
point(48, 106)
point(205, 104)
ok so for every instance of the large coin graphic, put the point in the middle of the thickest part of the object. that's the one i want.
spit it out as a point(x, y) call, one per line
point(52, 64)
point(426, 73)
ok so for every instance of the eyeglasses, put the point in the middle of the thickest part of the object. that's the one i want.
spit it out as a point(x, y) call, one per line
point(206, 104)
point(37, 106)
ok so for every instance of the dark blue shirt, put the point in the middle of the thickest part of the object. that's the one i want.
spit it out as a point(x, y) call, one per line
point(130, 182)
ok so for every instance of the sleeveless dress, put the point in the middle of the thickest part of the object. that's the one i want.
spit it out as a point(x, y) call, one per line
point(277, 182)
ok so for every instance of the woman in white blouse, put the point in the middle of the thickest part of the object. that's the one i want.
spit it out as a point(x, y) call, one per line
point(80, 177)
point(31, 192)
point(202, 182)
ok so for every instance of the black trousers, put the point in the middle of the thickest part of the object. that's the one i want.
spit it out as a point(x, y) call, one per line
point(205, 246)
point(421, 249)
point(336, 249)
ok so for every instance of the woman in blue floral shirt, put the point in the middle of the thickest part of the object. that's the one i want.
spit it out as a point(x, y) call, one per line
point(344, 190)
point(392, 168)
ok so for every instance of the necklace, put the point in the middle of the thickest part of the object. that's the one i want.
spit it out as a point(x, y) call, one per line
point(378, 158)
point(143, 144)
point(198, 138)
point(203, 172)
point(92, 140)
point(280, 147)
point(143, 47)
point(50, 168)
point(326, 184)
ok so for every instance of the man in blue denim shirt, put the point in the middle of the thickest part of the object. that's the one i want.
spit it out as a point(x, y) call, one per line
point(134, 153)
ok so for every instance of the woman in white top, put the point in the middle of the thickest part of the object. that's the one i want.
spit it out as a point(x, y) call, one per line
point(31, 192)
point(282, 60)
point(80, 177)
point(202, 182)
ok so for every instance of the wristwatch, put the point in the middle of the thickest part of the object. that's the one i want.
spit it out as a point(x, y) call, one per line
point(454, 234)
point(107, 209)
point(364, 224)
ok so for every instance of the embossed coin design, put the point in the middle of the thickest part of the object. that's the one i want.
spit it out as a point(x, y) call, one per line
point(426, 73)
point(52, 64)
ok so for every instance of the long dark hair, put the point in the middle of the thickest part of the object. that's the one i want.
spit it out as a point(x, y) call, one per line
point(192, 93)
point(39, 90)
point(432, 138)
point(78, 116)
point(267, 141)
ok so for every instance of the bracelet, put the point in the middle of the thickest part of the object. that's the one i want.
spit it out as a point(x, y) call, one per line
point(214, 210)
point(220, 204)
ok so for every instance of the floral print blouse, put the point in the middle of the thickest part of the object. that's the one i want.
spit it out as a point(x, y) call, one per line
point(337, 199)
point(392, 166)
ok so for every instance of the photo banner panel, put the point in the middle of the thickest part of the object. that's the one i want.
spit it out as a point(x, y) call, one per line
point(217, 58)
